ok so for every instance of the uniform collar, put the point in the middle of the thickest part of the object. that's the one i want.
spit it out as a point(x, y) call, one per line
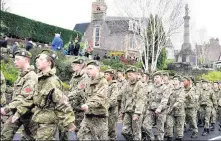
point(50, 73)
point(23, 73)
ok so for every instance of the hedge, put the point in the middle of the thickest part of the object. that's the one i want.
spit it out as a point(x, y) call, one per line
point(21, 27)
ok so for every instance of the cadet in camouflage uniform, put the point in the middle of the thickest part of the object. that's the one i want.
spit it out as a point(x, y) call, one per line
point(3, 99)
point(24, 88)
point(95, 123)
point(156, 107)
point(207, 101)
point(113, 108)
point(77, 95)
point(132, 106)
point(52, 109)
point(176, 113)
point(122, 82)
point(190, 107)
point(219, 107)
point(214, 110)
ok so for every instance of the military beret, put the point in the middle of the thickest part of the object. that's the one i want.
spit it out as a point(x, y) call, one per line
point(186, 78)
point(165, 73)
point(216, 82)
point(147, 73)
point(23, 53)
point(121, 70)
point(93, 62)
point(49, 53)
point(79, 61)
point(132, 69)
point(111, 71)
point(204, 80)
point(157, 73)
point(177, 76)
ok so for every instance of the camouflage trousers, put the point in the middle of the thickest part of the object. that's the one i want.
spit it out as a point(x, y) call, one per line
point(132, 128)
point(190, 118)
point(45, 131)
point(79, 116)
point(159, 120)
point(10, 129)
point(112, 121)
point(93, 128)
point(63, 136)
point(213, 115)
point(178, 123)
point(219, 114)
point(205, 113)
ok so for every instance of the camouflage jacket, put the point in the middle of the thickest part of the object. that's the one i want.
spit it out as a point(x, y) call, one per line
point(76, 94)
point(51, 105)
point(97, 96)
point(3, 89)
point(132, 100)
point(219, 99)
point(176, 102)
point(207, 97)
point(191, 100)
point(24, 89)
point(121, 86)
point(113, 93)
point(158, 97)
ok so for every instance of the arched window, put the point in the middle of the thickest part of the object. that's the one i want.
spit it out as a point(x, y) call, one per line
point(97, 36)
point(131, 25)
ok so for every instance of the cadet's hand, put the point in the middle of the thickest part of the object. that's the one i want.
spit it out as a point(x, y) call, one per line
point(3, 111)
point(14, 118)
point(72, 128)
point(135, 117)
point(157, 111)
point(84, 107)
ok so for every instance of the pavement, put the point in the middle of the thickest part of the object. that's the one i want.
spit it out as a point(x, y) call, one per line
point(214, 135)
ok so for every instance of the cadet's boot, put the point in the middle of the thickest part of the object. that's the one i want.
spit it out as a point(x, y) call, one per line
point(179, 138)
point(185, 130)
point(169, 138)
point(194, 135)
point(220, 127)
point(208, 130)
point(212, 128)
point(205, 132)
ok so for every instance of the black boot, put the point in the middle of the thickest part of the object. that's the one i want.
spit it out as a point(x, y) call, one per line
point(212, 128)
point(220, 127)
point(208, 131)
point(179, 138)
point(194, 135)
point(169, 138)
point(205, 132)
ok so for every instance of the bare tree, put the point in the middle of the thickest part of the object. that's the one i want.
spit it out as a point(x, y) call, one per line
point(153, 33)
point(4, 6)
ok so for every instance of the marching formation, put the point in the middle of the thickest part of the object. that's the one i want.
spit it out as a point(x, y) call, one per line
point(98, 100)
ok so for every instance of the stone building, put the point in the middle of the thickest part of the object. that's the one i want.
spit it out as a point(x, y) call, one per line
point(209, 52)
point(186, 55)
point(116, 35)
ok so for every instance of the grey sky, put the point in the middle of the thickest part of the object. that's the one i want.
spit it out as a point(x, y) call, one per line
point(66, 13)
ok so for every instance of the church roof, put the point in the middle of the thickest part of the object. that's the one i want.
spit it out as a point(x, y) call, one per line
point(81, 27)
point(118, 26)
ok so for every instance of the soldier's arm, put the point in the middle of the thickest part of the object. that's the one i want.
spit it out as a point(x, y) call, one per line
point(181, 99)
point(165, 98)
point(139, 105)
point(24, 100)
point(123, 98)
point(63, 109)
point(214, 99)
point(113, 98)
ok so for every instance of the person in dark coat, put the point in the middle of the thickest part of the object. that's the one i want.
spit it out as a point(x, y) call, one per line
point(4, 42)
point(71, 48)
point(29, 45)
point(77, 46)
point(98, 57)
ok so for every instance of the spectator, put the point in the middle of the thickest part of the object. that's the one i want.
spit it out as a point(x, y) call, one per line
point(95, 57)
point(57, 43)
point(29, 45)
point(105, 56)
point(4, 43)
point(65, 52)
point(77, 47)
point(39, 46)
point(14, 48)
point(98, 57)
point(71, 48)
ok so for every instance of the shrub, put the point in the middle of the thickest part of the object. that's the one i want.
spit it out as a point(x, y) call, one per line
point(10, 72)
point(212, 76)
point(21, 27)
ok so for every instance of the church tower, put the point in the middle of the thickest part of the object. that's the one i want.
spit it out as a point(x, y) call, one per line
point(99, 10)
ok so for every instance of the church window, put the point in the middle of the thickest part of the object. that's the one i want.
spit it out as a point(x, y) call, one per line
point(131, 25)
point(97, 36)
point(131, 41)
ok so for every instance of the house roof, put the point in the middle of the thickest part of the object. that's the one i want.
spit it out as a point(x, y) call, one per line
point(82, 27)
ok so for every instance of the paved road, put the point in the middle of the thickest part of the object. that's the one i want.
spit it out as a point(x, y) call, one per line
point(213, 134)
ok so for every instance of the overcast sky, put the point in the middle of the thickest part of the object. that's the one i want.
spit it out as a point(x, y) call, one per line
point(66, 13)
